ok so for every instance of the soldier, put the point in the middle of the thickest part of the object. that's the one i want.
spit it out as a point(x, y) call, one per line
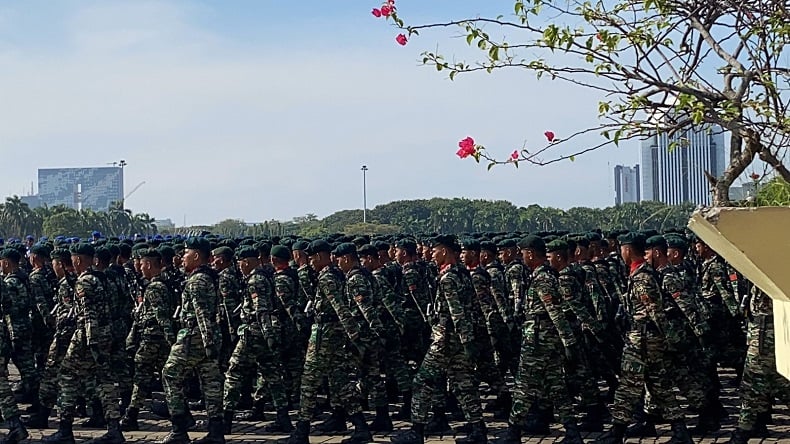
point(515, 278)
point(42, 294)
point(64, 329)
point(334, 332)
point(417, 296)
point(8, 407)
point(307, 276)
point(506, 351)
point(645, 357)
point(88, 353)
point(452, 350)
point(154, 332)
point(546, 333)
point(16, 313)
point(196, 348)
point(230, 293)
point(258, 342)
point(761, 383)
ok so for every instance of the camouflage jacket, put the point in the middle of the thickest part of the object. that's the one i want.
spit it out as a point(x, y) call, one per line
point(392, 312)
point(258, 304)
point(517, 282)
point(544, 303)
point(231, 293)
point(331, 304)
point(575, 303)
point(154, 317)
point(361, 292)
point(286, 288)
point(645, 304)
point(92, 309)
point(499, 290)
point(41, 292)
point(16, 305)
point(453, 306)
point(715, 285)
point(307, 285)
point(199, 303)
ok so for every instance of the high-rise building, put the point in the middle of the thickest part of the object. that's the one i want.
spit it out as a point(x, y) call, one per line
point(677, 175)
point(81, 188)
point(626, 184)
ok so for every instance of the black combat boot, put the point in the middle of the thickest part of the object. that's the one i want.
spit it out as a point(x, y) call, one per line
point(159, 409)
point(126, 399)
point(512, 435)
point(227, 422)
point(438, 425)
point(382, 421)
point(178, 434)
point(258, 408)
point(404, 414)
point(740, 436)
point(215, 433)
point(361, 434)
point(615, 435)
point(64, 435)
point(335, 424)
point(300, 434)
point(761, 425)
point(129, 421)
point(572, 435)
point(503, 405)
point(113, 435)
point(478, 435)
point(81, 410)
point(707, 422)
point(281, 424)
point(96, 420)
point(592, 420)
point(641, 429)
point(415, 435)
point(16, 431)
point(39, 419)
point(680, 434)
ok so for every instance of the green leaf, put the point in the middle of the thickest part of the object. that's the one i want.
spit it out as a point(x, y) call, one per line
point(572, 158)
point(469, 39)
point(482, 44)
point(490, 165)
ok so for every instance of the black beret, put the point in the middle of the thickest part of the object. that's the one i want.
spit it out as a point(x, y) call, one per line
point(60, 254)
point(197, 243)
point(281, 251)
point(344, 249)
point(264, 247)
point(594, 237)
point(447, 240)
point(82, 249)
point(11, 254)
point(114, 249)
point(557, 245)
point(656, 241)
point(126, 249)
point(39, 250)
point(103, 254)
point(507, 243)
point(300, 245)
point(649, 233)
point(571, 244)
point(582, 241)
point(368, 250)
point(381, 245)
point(532, 242)
point(470, 244)
point(408, 245)
point(167, 251)
point(318, 246)
point(151, 253)
point(230, 243)
point(632, 238)
point(224, 250)
point(676, 241)
point(487, 246)
point(247, 252)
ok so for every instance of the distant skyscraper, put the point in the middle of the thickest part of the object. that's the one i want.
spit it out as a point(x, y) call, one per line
point(626, 184)
point(81, 188)
point(677, 176)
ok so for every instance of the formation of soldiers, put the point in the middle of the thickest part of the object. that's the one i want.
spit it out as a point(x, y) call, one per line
point(354, 324)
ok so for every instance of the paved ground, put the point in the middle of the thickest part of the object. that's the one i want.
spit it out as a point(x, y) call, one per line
point(155, 429)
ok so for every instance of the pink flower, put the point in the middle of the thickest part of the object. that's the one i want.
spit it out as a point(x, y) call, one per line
point(391, 2)
point(467, 143)
point(386, 10)
point(466, 148)
point(549, 136)
point(401, 39)
point(376, 12)
point(514, 155)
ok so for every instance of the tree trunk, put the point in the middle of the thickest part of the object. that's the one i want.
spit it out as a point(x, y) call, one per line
point(740, 159)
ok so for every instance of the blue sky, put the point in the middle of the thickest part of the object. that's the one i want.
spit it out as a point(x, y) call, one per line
point(267, 109)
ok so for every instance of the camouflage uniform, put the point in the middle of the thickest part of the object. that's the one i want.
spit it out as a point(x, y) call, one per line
point(546, 332)
point(362, 289)
point(451, 352)
point(231, 296)
point(417, 296)
point(41, 293)
point(716, 290)
point(488, 328)
point(259, 335)
point(505, 349)
point(120, 303)
point(16, 312)
point(64, 330)
point(393, 317)
point(154, 324)
point(196, 346)
point(8, 406)
point(293, 327)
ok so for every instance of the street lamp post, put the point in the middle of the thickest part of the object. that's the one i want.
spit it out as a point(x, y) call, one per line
point(364, 194)
point(122, 164)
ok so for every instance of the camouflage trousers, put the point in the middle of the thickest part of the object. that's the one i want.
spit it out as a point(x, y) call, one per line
point(149, 359)
point(540, 376)
point(371, 384)
point(645, 365)
point(444, 361)
point(292, 352)
point(729, 348)
point(23, 356)
point(80, 365)
point(328, 356)
point(761, 383)
point(393, 364)
point(122, 365)
point(41, 342)
point(48, 389)
point(686, 368)
point(251, 353)
point(188, 355)
point(8, 405)
point(581, 379)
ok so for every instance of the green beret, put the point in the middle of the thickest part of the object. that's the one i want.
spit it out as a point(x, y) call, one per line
point(677, 242)
point(103, 254)
point(318, 246)
point(447, 240)
point(407, 245)
point(82, 249)
point(557, 245)
point(380, 246)
point(125, 250)
point(571, 245)
point(300, 245)
point(656, 241)
point(532, 242)
point(649, 233)
point(151, 253)
point(281, 251)
point(470, 244)
point(11, 254)
point(39, 250)
point(487, 246)
point(264, 247)
point(114, 249)
point(632, 238)
point(344, 249)
point(594, 237)
point(198, 243)
point(60, 254)
point(247, 252)
point(506, 243)
point(224, 250)
point(368, 250)
point(167, 252)
point(582, 241)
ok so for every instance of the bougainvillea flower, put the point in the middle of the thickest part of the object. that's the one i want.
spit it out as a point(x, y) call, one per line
point(549, 136)
point(376, 12)
point(401, 39)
